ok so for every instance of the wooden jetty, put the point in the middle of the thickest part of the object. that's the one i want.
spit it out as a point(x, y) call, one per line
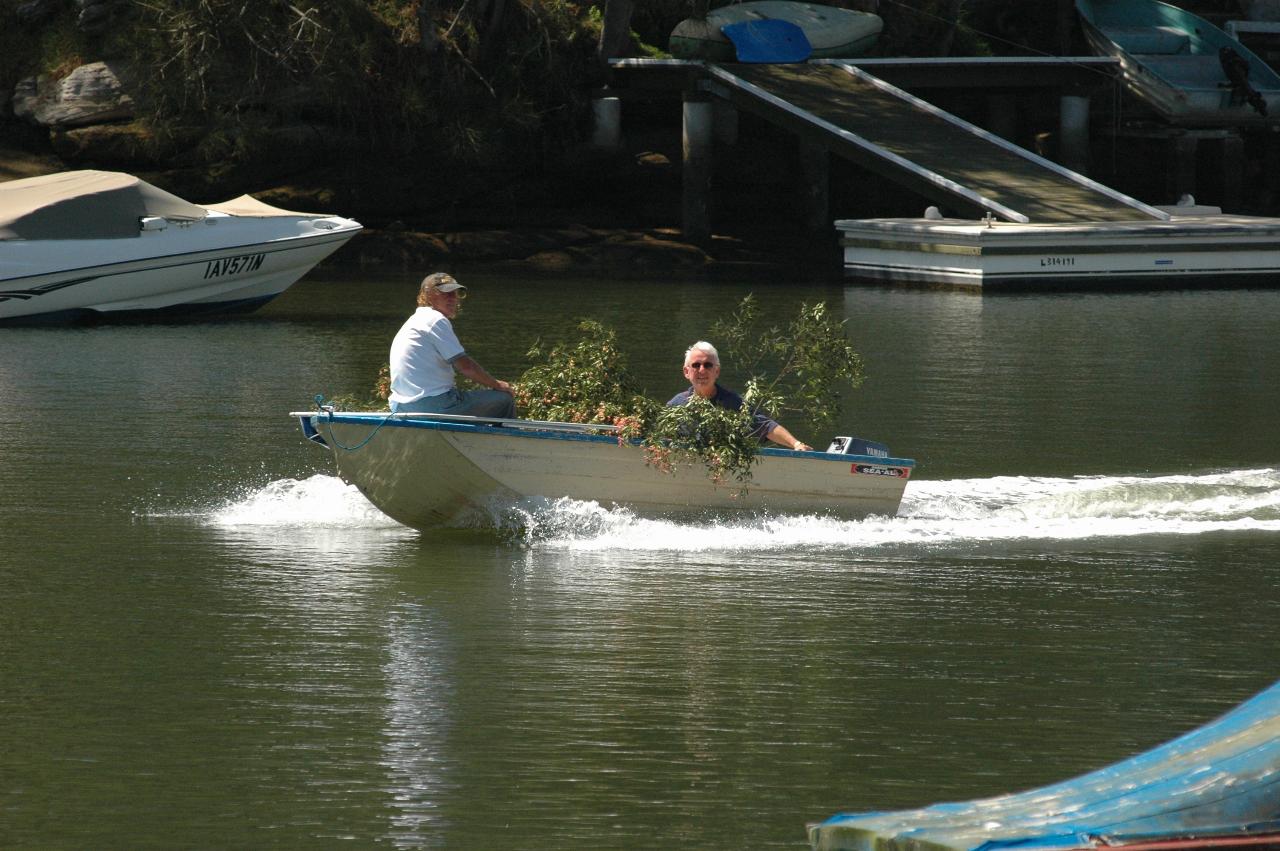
point(1005, 217)
point(854, 109)
point(931, 151)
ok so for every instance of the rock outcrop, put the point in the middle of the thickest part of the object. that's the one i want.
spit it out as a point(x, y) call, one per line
point(91, 94)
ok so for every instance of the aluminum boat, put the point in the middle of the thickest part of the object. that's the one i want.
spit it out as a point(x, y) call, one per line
point(106, 244)
point(433, 470)
point(1188, 70)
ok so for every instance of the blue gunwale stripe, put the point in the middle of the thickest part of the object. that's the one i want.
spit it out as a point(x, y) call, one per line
point(390, 421)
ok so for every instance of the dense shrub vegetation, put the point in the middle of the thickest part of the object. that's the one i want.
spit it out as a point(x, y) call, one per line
point(471, 80)
point(467, 78)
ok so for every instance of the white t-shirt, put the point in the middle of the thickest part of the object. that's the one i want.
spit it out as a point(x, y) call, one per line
point(422, 356)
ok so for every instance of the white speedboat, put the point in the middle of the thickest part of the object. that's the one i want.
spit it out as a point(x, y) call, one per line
point(97, 243)
point(432, 470)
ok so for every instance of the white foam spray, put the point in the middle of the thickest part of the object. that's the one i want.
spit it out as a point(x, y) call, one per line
point(938, 513)
point(320, 501)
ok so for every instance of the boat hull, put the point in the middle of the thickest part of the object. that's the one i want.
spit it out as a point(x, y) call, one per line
point(1186, 251)
point(833, 33)
point(425, 473)
point(1169, 60)
point(1214, 787)
point(219, 264)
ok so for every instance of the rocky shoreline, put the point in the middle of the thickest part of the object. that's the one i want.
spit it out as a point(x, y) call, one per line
point(563, 252)
point(552, 251)
point(585, 212)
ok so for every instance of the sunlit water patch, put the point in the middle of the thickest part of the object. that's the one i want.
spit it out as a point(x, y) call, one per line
point(958, 511)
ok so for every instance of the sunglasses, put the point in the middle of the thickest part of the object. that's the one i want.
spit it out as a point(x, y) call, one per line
point(701, 364)
point(458, 294)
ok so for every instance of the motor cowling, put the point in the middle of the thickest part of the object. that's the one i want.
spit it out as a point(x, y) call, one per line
point(857, 446)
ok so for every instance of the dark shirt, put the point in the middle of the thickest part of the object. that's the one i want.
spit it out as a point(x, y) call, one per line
point(731, 401)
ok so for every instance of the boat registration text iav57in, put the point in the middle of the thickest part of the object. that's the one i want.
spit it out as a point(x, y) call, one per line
point(105, 244)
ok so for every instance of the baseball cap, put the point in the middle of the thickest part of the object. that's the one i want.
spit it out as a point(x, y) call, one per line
point(441, 282)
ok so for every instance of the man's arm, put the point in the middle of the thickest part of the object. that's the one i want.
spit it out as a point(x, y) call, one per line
point(782, 437)
point(466, 365)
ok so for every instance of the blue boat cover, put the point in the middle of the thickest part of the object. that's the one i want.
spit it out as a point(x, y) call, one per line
point(1222, 779)
point(768, 40)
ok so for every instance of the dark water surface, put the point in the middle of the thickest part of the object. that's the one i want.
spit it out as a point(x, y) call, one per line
point(206, 640)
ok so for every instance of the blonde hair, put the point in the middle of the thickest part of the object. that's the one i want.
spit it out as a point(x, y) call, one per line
point(702, 346)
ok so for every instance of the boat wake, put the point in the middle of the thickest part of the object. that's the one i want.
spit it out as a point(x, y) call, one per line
point(933, 513)
point(318, 501)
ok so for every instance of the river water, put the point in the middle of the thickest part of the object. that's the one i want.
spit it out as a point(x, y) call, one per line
point(209, 641)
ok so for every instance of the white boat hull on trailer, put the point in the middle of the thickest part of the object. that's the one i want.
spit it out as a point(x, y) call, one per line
point(181, 260)
point(831, 31)
point(1186, 251)
point(428, 471)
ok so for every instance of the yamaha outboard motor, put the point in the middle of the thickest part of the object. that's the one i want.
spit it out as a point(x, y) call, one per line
point(858, 446)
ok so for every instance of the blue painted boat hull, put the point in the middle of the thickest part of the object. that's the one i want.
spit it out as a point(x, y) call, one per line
point(1220, 780)
point(434, 470)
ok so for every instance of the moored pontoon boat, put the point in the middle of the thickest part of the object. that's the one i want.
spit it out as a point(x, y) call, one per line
point(1184, 251)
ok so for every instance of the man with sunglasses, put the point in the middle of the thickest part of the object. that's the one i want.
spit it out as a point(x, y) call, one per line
point(702, 368)
point(425, 353)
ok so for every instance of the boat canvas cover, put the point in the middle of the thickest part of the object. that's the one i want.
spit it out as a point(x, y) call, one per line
point(1222, 779)
point(85, 205)
point(250, 207)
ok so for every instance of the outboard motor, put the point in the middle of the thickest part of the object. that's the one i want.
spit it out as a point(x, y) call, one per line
point(858, 446)
point(1236, 67)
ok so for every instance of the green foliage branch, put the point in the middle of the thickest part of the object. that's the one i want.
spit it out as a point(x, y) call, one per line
point(701, 433)
point(589, 380)
point(473, 79)
point(586, 381)
point(800, 368)
point(374, 400)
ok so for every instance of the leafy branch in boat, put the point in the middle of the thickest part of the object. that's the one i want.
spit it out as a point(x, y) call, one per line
point(699, 432)
point(800, 368)
point(374, 400)
point(588, 381)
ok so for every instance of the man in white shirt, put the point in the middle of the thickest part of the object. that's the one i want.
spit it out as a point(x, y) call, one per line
point(425, 353)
